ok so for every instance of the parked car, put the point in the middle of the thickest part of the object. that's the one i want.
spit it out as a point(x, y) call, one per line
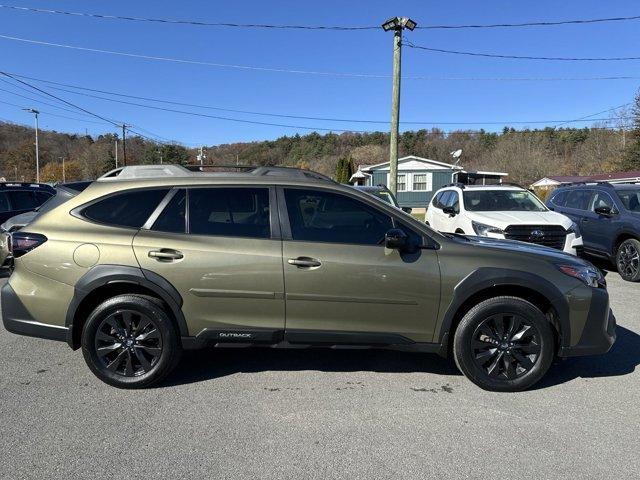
point(63, 192)
point(16, 198)
point(504, 212)
point(381, 192)
point(133, 271)
point(609, 218)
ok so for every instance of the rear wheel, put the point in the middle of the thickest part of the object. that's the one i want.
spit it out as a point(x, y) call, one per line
point(129, 341)
point(504, 344)
point(628, 260)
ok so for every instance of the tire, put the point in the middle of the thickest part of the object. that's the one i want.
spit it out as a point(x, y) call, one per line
point(129, 341)
point(628, 260)
point(504, 365)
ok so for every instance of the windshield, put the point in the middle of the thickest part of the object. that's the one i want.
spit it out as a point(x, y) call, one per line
point(502, 200)
point(630, 199)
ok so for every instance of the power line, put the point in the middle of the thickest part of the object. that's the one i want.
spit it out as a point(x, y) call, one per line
point(522, 122)
point(521, 57)
point(314, 27)
point(313, 72)
point(22, 107)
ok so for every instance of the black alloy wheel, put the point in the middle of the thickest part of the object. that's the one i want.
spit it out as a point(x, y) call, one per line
point(131, 341)
point(628, 260)
point(128, 343)
point(506, 346)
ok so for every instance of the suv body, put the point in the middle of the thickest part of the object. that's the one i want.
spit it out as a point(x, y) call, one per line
point(609, 218)
point(504, 212)
point(17, 198)
point(135, 270)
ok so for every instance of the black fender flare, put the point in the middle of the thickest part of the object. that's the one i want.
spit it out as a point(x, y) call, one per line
point(488, 277)
point(102, 275)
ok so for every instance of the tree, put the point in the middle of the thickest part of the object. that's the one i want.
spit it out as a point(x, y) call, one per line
point(344, 169)
point(176, 154)
point(631, 158)
point(52, 172)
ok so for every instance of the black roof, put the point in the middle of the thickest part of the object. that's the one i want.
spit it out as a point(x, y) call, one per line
point(12, 185)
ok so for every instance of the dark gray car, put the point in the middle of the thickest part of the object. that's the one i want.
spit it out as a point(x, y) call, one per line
point(609, 218)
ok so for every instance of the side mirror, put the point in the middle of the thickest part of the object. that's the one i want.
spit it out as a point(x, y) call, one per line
point(450, 211)
point(604, 210)
point(407, 209)
point(396, 239)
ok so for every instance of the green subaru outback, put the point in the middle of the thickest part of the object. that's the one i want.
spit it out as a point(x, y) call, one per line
point(148, 261)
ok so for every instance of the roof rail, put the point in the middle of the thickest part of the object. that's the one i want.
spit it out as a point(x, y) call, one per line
point(25, 184)
point(602, 183)
point(460, 185)
point(156, 171)
point(145, 171)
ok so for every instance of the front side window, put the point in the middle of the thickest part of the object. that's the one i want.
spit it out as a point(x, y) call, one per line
point(579, 199)
point(630, 199)
point(502, 200)
point(601, 199)
point(559, 198)
point(318, 216)
point(129, 209)
point(230, 212)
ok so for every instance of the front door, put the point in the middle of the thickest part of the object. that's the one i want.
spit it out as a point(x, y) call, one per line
point(342, 285)
point(225, 260)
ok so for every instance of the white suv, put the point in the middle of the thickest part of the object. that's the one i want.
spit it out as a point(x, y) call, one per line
point(501, 211)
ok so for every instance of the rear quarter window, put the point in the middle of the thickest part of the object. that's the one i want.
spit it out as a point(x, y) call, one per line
point(129, 209)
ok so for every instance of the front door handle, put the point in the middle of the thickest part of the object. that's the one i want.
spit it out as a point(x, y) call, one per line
point(166, 255)
point(304, 262)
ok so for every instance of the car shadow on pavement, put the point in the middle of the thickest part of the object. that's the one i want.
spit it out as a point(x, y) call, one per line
point(211, 363)
point(622, 359)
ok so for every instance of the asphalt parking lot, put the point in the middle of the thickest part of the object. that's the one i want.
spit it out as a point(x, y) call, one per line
point(320, 414)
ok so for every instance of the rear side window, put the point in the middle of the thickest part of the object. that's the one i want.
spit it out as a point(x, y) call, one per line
point(229, 212)
point(630, 199)
point(579, 199)
point(24, 200)
point(172, 219)
point(319, 216)
point(436, 200)
point(127, 209)
point(4, 202)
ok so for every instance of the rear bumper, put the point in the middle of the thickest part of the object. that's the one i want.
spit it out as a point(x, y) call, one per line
point(599, 332)
point(17, 319)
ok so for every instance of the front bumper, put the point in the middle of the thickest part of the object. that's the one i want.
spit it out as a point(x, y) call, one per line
point(17, 319)
point(599, 331)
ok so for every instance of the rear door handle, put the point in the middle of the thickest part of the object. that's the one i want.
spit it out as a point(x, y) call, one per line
point(304, 262)
point(166, 255)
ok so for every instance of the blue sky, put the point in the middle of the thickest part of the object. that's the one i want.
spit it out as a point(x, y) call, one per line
point(344, 52)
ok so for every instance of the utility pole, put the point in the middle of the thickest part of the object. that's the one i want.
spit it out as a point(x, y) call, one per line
point(397, 25)
point(36, 113)
point(116, 151)
point(64, 176)
point(124, 144)
point(201, 156)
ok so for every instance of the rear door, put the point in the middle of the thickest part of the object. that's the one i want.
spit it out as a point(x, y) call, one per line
point(440, 219)
point(220, 247)
point(600, 230)
point(342, 285)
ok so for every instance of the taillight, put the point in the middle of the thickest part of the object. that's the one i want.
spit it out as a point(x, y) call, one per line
point(23, 242)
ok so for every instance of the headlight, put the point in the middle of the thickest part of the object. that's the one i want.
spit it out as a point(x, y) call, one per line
point(483, 230)
point(574, 229)
point(590, 275)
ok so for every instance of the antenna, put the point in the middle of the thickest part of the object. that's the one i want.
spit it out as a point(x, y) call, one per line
point(456, 154)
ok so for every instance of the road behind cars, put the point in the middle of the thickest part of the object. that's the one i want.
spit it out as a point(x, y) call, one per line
point(320, 414)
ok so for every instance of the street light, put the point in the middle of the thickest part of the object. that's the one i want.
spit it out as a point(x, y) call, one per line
point(397, 25)
point(36, 113)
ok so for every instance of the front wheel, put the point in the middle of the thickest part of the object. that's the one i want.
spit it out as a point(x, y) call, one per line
point(504, 344)
point(129, 341)
point(628, 260)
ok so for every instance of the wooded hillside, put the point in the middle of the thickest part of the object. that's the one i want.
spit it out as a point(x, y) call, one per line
point(526, 155)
